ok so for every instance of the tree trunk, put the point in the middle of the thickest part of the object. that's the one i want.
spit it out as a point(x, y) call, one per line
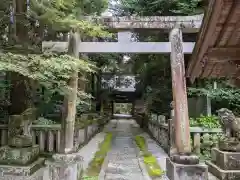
point(20, 97)
point(70, 101)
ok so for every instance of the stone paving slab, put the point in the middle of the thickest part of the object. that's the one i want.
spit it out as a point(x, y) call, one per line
point(123, 161)
point(88, 151)
point(161, 156)
point(123, 177)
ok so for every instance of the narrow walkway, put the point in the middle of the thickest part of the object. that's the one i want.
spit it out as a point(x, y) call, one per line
point(122, 161)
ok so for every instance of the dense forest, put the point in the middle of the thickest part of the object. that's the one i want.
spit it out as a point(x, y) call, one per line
point(31, 78)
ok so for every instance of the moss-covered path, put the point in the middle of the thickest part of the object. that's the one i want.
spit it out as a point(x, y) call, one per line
point(122, 161)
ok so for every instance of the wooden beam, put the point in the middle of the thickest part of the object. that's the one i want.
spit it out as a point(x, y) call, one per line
point(223, 54)
point(117, 47)
point(204, 39)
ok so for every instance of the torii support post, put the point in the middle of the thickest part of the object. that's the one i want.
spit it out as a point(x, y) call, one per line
point(67, 164)
point(182, 165)
point(70, 101)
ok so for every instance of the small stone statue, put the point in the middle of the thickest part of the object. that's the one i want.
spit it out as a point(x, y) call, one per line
point(19, 129)
point(231, 128)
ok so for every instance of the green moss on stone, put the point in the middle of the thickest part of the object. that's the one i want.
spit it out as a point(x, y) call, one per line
point(150, 161)
point(96, 163)
point(90, 178)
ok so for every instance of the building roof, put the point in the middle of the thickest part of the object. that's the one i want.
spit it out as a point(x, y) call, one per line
point(217, 50)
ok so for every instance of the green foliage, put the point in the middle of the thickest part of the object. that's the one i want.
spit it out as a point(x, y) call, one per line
point(64, 15)
point(154, 70)
point(205, 122)
point(160, 7)
point(223, 96)
point(155, 79)
point(51, 71)
point(43, 19)
point(91, 7)
point(43, 121)
point(208, 141)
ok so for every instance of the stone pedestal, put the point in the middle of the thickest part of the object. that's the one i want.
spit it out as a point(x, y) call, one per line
point(186, 172)
point(21, 171)
point(18, 156)
point(38, 175)
point(20, 159)
point(65, 167)
point(225, 165)
point(20, 163)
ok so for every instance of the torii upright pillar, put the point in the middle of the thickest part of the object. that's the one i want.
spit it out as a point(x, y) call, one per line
point(182, 165)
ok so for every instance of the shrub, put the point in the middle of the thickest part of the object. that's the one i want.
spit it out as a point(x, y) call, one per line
point(205, 122)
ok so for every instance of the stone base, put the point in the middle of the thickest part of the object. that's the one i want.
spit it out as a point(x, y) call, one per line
point(223, 174)
point(226, 160)
point(186, 172)
point(10, 170)
point(65, 167)
point(20, 141)
point(38, 175)
point(18, 156)
point(185, 159)
point(229, 145)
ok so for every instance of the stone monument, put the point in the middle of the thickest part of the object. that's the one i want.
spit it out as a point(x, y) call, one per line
point(20, 157)
point(225, 162)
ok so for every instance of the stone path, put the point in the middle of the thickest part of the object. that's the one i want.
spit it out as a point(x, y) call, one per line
point(88, 151)
point(123, 161)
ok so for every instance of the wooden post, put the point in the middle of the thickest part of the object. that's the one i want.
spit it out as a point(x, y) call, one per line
point(181, 119)
point(70, 101)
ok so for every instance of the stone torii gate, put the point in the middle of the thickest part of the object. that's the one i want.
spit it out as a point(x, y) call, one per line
point(182, 165)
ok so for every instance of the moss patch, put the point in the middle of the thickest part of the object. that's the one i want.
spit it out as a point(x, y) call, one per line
point(150, 161)
point(90, 178)
point(95, 165)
